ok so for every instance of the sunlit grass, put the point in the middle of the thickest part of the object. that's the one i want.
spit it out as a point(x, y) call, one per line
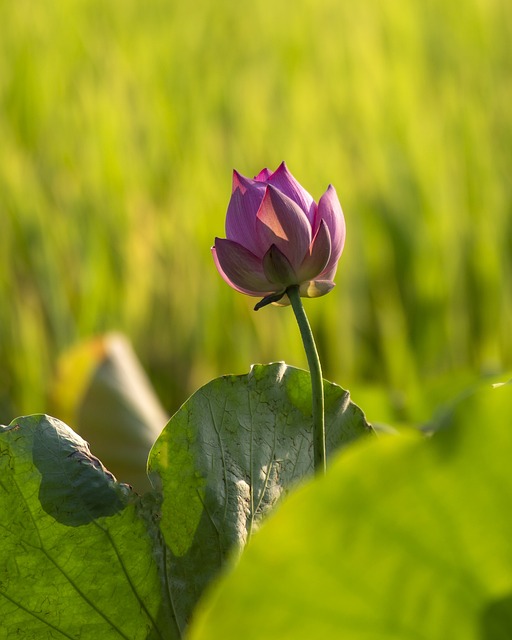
point(120, 125)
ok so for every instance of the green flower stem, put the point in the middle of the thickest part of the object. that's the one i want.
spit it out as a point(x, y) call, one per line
point(317, 386)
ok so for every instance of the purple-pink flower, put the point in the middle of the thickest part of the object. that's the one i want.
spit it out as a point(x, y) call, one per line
point(278, 236)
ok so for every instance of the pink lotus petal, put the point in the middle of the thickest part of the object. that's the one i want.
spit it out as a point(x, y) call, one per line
point(328, 273)
point(285, 182)
point(318, 256)
point(329, 210)
point(263, 175)
point(239, 182)
point(243, 183)
point(241, 219)
point(282, 222)
point(241, 269)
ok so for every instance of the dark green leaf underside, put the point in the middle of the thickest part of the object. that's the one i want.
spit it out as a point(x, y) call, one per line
point(76, 558)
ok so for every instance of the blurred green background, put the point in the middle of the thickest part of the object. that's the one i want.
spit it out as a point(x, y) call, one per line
point(120, 124)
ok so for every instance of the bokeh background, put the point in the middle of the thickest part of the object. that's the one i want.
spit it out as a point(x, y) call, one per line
point(120, 124)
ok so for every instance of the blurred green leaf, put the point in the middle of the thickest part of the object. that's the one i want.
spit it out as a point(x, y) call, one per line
point(77, 554)
point(226, 458)
point(102, 391)
point(406, 537)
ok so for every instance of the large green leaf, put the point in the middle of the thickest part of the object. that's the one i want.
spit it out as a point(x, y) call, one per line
point(81, 556)
point(405, 538)
point(225, 459)
point(77, 555)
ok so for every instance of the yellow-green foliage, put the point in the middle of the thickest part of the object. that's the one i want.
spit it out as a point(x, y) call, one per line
point(120, 123)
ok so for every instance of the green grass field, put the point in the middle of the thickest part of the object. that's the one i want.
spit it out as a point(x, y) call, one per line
point(120, 123)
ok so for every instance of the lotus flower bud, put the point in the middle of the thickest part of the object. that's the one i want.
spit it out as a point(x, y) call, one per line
point(278, 236)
